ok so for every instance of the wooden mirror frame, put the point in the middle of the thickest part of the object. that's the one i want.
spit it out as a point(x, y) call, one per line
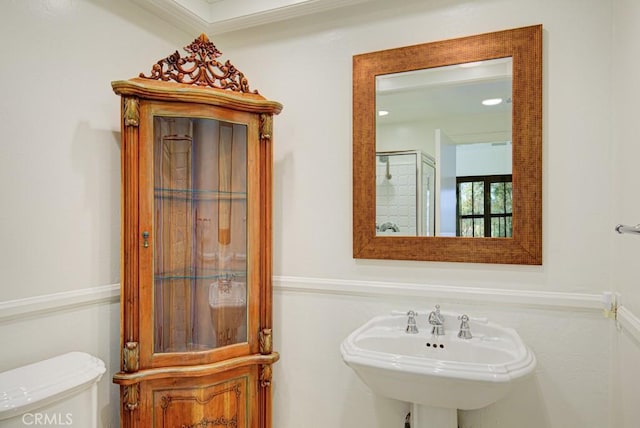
point(524, 45)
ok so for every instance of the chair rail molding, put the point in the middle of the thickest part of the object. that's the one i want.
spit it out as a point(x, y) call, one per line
point(629, 322)
point(13, 310)
point(530, 298)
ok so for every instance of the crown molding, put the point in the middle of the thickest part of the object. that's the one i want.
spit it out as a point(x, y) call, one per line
point(223, 16)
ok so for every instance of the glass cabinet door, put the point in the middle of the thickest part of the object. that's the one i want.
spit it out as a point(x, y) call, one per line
point(200, 246)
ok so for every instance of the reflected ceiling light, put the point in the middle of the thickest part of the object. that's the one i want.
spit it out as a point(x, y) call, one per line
point(491, 101)
point(383, 113)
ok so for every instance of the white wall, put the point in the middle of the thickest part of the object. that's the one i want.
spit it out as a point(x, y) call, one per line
point(626, 148)
point(483, 159)
point(80, 320)
point(60, 165)
point(60, 148)
point(306, 65)
point(626, 206)
point(406, 136)
point(314, 389)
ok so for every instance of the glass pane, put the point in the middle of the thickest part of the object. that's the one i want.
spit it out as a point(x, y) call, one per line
point(466, 198)
point(200, 261)
point(478, 198)
point(478, 227)
point(497, 227)
point(466, 227)
point(497, 198)
point(507, 196)
point(501, 227)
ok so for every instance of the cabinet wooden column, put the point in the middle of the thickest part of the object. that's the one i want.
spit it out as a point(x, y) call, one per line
point(196, 300)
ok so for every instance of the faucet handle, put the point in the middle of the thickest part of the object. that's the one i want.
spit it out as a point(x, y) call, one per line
point(412, 327)
point(435, 317)
point(437, 321)
point(465, 332)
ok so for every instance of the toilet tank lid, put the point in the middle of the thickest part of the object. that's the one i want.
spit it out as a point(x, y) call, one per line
point(36, 385)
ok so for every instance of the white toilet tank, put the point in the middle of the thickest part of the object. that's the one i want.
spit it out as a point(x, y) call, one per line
point(58, 392)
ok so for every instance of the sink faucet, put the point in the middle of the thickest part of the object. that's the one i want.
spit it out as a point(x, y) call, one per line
point(437, 321)
point(465, 332)
point(389, 225)
point(412, 328)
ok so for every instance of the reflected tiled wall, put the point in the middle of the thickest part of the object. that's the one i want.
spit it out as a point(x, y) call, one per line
point(396, 197)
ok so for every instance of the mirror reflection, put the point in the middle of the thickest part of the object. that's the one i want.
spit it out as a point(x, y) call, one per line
point(405, 193)
point(444, 151)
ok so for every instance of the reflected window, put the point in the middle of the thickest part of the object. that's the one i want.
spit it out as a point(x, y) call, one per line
point(484, 206)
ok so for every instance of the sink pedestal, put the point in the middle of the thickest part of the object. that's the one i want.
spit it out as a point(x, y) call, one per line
point(433, 417)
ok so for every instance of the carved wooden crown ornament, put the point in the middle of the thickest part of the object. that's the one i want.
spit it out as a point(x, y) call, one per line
point(200, 68)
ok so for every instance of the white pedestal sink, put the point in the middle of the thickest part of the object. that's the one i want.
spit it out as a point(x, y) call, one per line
point(437, 374)
point(433, 417)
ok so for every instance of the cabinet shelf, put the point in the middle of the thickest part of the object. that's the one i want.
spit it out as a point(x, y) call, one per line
point(222, 274)
point(197, 194)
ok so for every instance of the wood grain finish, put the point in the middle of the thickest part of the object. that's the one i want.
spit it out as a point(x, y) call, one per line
point(175, 371)
point(524, 45)
point(228, 399)
point(200, 67)
point(153, 90)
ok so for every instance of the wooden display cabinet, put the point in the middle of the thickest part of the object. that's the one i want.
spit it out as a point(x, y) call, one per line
point(196, 246)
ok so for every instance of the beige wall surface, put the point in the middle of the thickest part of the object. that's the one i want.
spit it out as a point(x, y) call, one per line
point(60, 162)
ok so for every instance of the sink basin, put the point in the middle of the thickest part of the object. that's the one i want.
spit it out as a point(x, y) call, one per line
point(444, 372)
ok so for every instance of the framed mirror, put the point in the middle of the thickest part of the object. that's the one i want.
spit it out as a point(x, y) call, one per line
point(447, 150)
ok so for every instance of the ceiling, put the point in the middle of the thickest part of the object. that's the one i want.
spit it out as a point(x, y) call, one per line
point(222, 16)
point(406, 97)
point(452, 98)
